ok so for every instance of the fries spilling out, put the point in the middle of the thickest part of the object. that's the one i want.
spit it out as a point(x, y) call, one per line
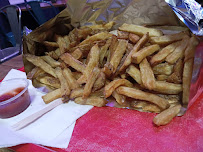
point(139, 68)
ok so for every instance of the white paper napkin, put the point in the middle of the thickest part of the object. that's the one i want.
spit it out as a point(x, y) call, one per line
point(53, 129)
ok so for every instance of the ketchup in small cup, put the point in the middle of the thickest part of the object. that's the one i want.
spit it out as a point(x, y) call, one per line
point(14, 97)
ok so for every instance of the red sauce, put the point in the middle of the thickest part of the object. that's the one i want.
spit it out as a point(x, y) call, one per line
point(11, 94)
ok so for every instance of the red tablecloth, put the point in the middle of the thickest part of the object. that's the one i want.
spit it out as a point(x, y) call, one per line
point(114, 129)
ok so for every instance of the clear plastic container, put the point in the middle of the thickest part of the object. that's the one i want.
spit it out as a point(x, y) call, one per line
point(14, 97)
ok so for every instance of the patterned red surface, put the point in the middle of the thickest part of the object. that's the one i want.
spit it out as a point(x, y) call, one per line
point(114, 129)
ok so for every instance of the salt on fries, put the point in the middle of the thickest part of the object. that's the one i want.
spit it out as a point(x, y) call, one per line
point(140, 68)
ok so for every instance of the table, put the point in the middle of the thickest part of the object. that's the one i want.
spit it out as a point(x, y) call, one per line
point(59, 3)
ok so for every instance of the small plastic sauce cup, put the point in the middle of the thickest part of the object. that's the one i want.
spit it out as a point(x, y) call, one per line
point(14, 97)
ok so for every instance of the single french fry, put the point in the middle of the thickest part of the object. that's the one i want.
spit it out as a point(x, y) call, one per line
point(49, 80)
point(112, 47)
point(140, 30)
point(92, 100)
point(50, 44)
point(137, 46)
point(166, 116)
point(161, 77)
point(187, 69)
point(103, 51)
point(141, 95)
point(167, 39)
point(118, 54)
point(147, 75)
point(178, 53)
point(72, 82)
point(187, 77)
point(123, 34)
point(100, 82)
point(134, 73)
point(78, 92)
point(120, 99)
point(96, 37)
point(190, 50)
point(74, 63)
point(37, 61)
point(133, 38)
point(163, 68)
point(144, 52)
point(50, 61)
point(109, 88)
point(51, 96)
point(90, 82)
point(77, 54)
point(176, 76)
point(65, 88)
point(93, 61)
point(167, 88)
point(163, 53)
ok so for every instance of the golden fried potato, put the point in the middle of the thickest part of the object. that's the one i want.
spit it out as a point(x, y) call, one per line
point(144, 52)
point(147, 75)
point(166, 116)
point(140, 30)
point(109, 88)
point(37, 61)
point(141, 95)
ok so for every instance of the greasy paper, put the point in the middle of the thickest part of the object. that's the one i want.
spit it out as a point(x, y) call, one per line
point(80, 13)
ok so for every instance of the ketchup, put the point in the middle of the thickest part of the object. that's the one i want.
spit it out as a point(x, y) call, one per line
point(11, 94)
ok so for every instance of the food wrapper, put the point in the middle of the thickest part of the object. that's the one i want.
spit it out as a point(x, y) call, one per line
point(79, 13)
point(190, 12)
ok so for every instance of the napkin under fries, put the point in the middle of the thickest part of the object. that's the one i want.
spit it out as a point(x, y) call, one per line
point(53, 129)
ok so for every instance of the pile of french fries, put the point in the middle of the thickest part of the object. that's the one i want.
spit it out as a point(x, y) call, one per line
point(139, 67)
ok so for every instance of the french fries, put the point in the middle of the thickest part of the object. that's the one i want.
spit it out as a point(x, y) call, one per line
point(161, 55)
point(90, 82)
point(140, 30)
point(141, 95)
point(65, 88)
point(163, 68)
point(38, 62)
point(166, 116)
point(137, 46)
point(51, 61)
point(147, 75)
point(138, 66)
point(187, 69)
point(134, 73)
point(74, 63)
point(109, 88)
point(53, 95)
point(70, 79)
point(178, 53)
point(143, 53)
point(167, 39)
point(117, 55)
point(167, 88)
